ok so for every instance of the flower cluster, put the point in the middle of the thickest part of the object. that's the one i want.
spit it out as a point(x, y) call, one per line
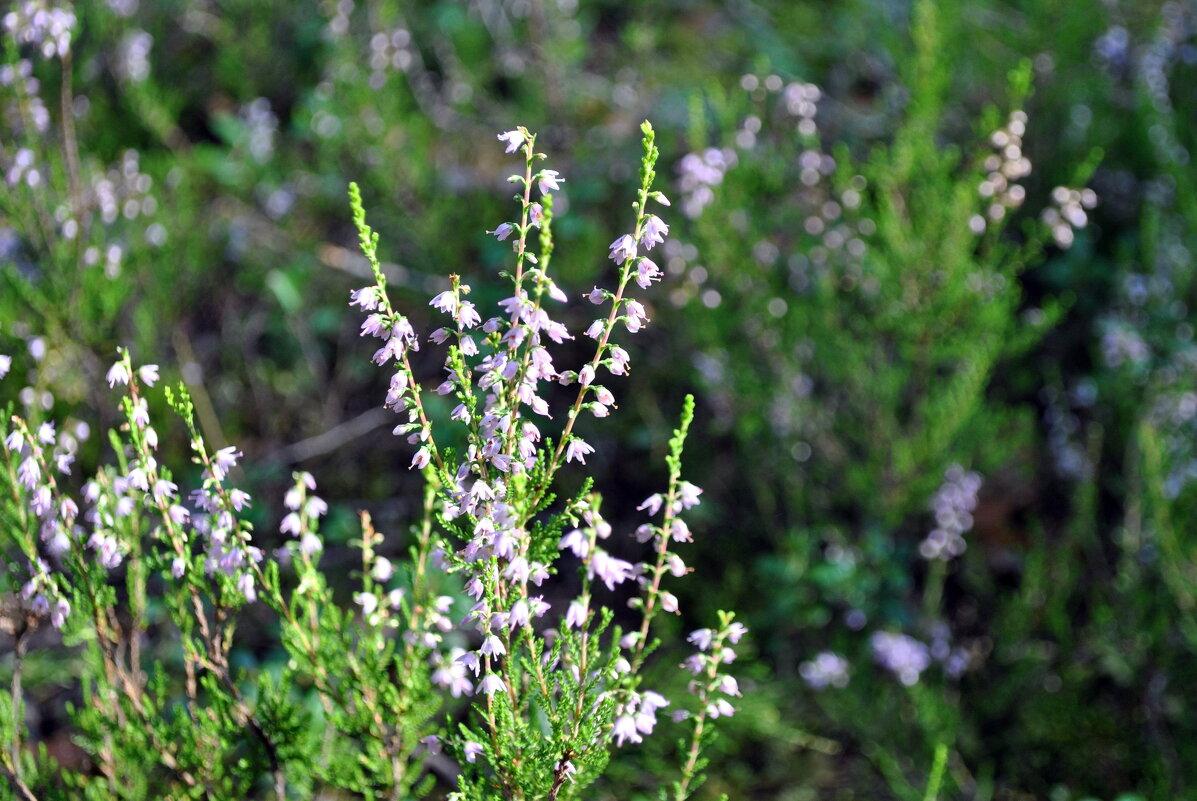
point(43, 595)
point(71, 205)
point(25, 113)
point(389, 50)
point(827, 669)
point(698, 174)
point(713, 687)
point(1005, 168)
point(123, 191)
point(261, 126)
point(953, 507)
point(1067, 213)
point(304, 511)
point(901, 654)
point(801, 101)
point(47, 27)
point(133, 56)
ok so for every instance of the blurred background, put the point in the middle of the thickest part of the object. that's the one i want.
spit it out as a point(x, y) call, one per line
point(929, 277)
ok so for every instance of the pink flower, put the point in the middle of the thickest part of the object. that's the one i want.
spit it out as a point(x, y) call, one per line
point(367, 601)
point(647, 271)
point(625, 730)
point(492, 646)
point(623, 249)
point(164, 489)
point(366, 297)
point(420, 460)
point(577, 449)
point(117, 374)
point(636, 316)
point(575, 617)
point(239, 499)
point(467, 316)
point(491, 684)
point(446, 301)
point(290, 525)
point(470, 750)
point(470, 660)
point(652, 503)
point(513, 139)
point(62, 609)
point(141, 413)
point(503, 231)
point(577, 542)
point(374, 326)
point(619, 360)
point(223, 461)
point(654, 231)
point(721, 708)
point(550, 181)
point(610, 571)
point(520, 614)
point(309, 544)
point(245, 586)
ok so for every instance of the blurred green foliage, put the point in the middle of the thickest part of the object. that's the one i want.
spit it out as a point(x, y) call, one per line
point(836, 381)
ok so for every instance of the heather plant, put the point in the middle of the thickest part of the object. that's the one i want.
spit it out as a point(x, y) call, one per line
point(1069, 608)
point(882, 296)
point(364, 699)
point(71, 222)
point(882, 291)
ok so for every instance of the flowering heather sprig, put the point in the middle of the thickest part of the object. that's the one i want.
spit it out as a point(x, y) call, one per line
point(303, 514)
point(32, 458)
point(229, 554)
point(712, 689)
point(493, 500)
